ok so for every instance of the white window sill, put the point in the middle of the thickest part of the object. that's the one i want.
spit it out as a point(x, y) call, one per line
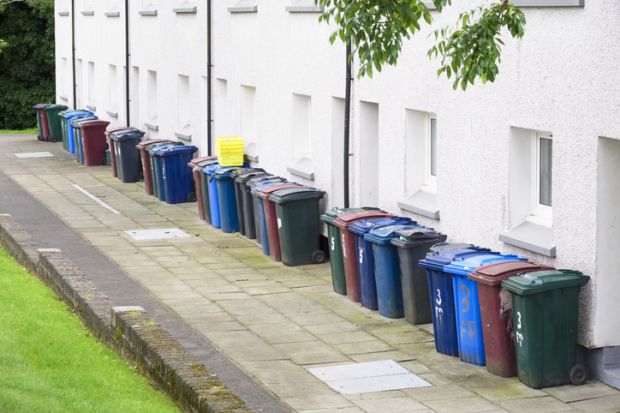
point(152, 125)
point(303, 6)
point(244, 6)
point(112, 114)
point(251, 154)
point(63, 98)
point(63, 13)
point(303, 168)
point(184, 134)
point(88, 12)
point(188, 7)
point(92, 108)
point(532, 237)
point(548, 3)
point(422, 203)
point(148, 12)
point(112, 13)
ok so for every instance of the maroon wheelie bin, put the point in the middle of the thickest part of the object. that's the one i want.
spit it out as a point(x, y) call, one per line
point(93, 137)
point(196, 166)
point(145, 157)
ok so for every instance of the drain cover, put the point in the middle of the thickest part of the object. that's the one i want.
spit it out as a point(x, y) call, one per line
point(156, 234)
point(33, 155)
point(368, 377)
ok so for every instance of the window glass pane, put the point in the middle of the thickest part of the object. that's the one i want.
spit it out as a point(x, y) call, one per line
point(545, 150)
point(433, 147)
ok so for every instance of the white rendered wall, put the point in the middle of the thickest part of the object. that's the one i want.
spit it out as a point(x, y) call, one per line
point(556, 79)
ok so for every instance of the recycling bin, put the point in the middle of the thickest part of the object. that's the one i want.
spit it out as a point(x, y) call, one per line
point(349, 252)
point(250, 185)
point(271, 219)
point(214, 202)
point(196, 166)
point(544, 315)
point(67, 132)
point(38, 109)
point(127, 155)
point(93, 141)
point(299, 226)
point(365, 258)
point(110, 142)
point(242, 182)
point(336, 260)
point(145, 160)
point(206, 195)
point(178, 180)
point(260, 219)
point(240, 177)
point(496, 313)
point(53, 121)
point(155, 167)
point(387, 269)
point(44, 124)
point(441, 292)
point(466, 303)
point(78, 143)
point(412, 245)
point(227, 199)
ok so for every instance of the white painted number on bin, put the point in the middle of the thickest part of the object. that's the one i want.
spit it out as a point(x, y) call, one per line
point(438, 309)
point(332, 244)
point(361, 255)
point(279, 223)
point(518, 334)
point(344, 247)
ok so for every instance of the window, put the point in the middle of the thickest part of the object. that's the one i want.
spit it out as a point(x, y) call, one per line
point(64, 77)
point(183, 105)
point(369, 153)
point(301, 136)
point(530, 196)
point(151, 97)
point(79, 85)
point(421, 164)
point(248, 121)
point(112, 91)
point(135, 94)
point(91, 86)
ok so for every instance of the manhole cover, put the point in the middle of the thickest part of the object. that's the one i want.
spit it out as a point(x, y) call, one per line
point(368, 377)
point(33, 155)
point(156, 234)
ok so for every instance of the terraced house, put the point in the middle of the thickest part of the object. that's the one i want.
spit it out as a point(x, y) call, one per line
point(526, 165)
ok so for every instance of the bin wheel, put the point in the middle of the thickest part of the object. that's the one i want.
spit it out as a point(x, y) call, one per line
point(318, 257)
point(191, 197)
point(578, 374)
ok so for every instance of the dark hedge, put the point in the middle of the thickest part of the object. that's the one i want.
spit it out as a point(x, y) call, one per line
point(27, 62)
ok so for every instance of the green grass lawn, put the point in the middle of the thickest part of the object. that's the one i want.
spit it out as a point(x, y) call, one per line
point(32, 131)
point(49, 362)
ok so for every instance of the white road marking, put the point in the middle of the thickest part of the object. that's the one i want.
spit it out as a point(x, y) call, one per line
point(97, 200)
point(33, 155)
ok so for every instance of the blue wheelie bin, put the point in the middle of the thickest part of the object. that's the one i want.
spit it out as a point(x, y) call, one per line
point(214, 202)
point(467, 305)
point(260, 220)
point(387, 269)
point(365, 257)
point(178, 181)
point(227, 199)
point(78, 143)
point(69, 116)
point(441, 292)
point(157, 153)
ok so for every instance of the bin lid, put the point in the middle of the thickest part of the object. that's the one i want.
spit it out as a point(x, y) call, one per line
point(93, 123)
point(158, 149)
point(444, 253)
point(414, 237)
point(202, 164)
point(70, 114)
point(174, 150)
point(40, 106)
point(194, 162)
point(343, 221)
point(55, 106)
point(265, 193)
point(329, 216)
point(363, 226)
point(493, 274)
point(76, 121)
point(300, 193)
point(143, 144)
point(225, 173)
point(465, 265)
point(211, 168)
point(260, 185)
point(383, 235)
point(541, 281)
point(127, 134)
point(259, 180)
point(242, 176)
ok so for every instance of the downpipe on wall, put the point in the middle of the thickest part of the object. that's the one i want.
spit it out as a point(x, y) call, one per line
point(73, 53)
point(347, 123)
point(209, 81)
point(127, 61)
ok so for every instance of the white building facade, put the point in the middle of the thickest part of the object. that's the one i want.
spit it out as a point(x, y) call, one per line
point(527, 165)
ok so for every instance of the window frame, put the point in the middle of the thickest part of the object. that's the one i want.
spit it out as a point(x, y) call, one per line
point(540, 214)
point(430, 180)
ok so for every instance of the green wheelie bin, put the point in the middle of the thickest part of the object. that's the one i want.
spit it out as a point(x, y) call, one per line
point(336, 259)
point(299, 226)
point(53, 121)
point(544, 316)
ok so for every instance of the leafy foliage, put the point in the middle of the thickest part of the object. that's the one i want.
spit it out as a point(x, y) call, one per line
point(377, 29)
point(473, 49)
point(26, 60)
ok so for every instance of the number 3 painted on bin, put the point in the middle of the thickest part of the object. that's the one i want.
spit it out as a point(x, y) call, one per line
point(465, 299)
point(438, 299)
point(519, 320)
point(361, 256)
point(332, 243)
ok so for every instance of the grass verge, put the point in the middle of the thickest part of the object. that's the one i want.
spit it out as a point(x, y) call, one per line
point(51, 363)
point(32, 131)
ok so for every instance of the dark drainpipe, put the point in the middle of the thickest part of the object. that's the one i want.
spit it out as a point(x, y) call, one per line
point(209, 81)
point(347, 123)
point(127, 67)
point(73, 54)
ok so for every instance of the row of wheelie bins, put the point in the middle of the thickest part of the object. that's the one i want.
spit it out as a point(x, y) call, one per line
point(261, 206)
point(48, 124)
point(514, 316)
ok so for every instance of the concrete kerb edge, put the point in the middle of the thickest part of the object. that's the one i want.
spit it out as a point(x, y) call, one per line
point(127, 330)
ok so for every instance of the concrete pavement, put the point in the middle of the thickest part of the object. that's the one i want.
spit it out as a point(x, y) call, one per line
point(270, 321)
